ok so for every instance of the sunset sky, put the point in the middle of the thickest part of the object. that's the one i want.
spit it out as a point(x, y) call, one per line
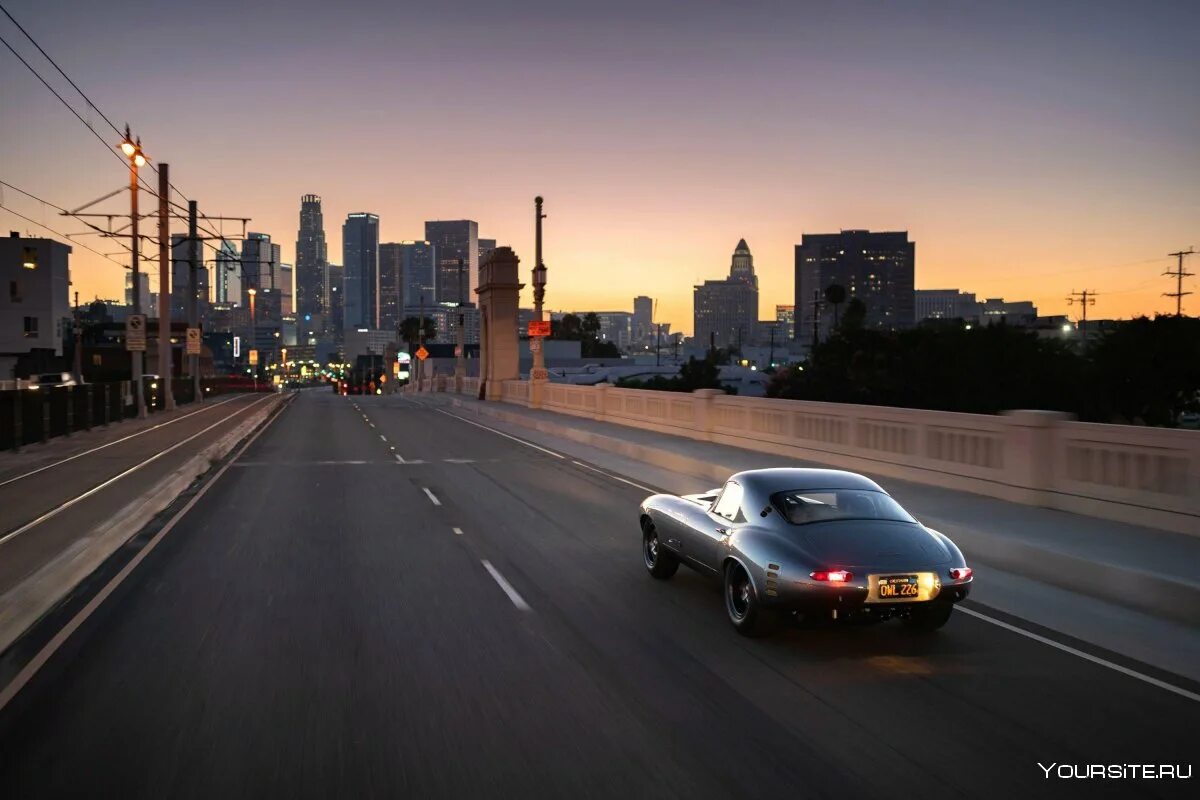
point(1030, 149)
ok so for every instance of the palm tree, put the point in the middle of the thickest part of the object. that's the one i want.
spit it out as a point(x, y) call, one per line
point(835, 295)
point(410, 330)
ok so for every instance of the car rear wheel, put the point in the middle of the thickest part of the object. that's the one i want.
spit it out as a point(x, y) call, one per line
point(659, 563)
point(742, 604)
point(929, 617)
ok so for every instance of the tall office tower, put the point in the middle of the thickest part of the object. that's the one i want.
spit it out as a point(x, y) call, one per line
point(181, 265)
point(285, 289)
point(335, 286)
point(260, 264)
point(742, 265)
point(143, 293)
point(643, 318)
point(311, 258)
point(876, 268)
point(227, 273)
point(486, 246)
point(420, 271)
point(360, 260)
point(455, 239)
point(391, 285)
point(725, 312)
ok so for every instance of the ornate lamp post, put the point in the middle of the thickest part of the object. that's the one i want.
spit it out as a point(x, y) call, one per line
point(538, 373)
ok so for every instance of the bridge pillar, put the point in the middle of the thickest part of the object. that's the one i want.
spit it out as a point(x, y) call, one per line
point(499, 297)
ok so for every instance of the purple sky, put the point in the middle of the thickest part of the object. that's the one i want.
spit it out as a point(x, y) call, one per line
point(1029, 148)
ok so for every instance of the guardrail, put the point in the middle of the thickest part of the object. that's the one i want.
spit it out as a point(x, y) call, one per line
point(1141, 475)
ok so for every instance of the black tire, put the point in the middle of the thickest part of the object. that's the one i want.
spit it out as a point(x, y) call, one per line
point(659, 563)
point(929, 617)
point(742, 604)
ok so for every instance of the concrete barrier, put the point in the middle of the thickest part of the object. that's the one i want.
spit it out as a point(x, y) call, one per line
point(25, 604)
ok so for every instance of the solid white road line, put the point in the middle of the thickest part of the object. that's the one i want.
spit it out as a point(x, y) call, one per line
point(517, 600)
point(1085, 656)
point(58, 510)
point(458, 531)
point(432, 497)
point(615, 477)
point(14, 687)
point(500, 433)
point(208, 407)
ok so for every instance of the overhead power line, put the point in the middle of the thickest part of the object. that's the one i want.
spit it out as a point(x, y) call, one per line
point(1178, 274)
point(61, 235)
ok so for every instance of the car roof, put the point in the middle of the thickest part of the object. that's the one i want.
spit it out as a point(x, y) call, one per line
point(783, 479)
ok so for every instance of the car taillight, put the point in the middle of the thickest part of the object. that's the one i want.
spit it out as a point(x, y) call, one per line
point(838, 576)
point(961, 573)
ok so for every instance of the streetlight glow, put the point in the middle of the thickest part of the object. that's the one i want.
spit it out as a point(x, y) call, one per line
point(127, 148)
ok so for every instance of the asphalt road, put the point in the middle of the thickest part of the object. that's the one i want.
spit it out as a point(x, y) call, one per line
point(318, 626)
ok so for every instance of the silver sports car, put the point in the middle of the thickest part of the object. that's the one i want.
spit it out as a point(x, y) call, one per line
point(812, 542)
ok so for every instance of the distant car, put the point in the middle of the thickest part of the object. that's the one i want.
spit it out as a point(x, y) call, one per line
point(51, 380)
point(808, 542)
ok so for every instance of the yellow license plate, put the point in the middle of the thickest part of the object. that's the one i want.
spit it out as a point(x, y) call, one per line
point(898, 587)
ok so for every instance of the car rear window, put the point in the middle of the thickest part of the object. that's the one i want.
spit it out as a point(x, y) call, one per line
point(803, 506)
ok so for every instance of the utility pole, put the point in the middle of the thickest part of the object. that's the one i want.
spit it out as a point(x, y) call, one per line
point(78, 343)
point(657, 344)
point(460, 348)
point(1085, 298)
point(165, 365)
point(193, 297)
point(1178, 274)
point(771, 357)
point(421, 342)
point(133, 150)
point(712, 345)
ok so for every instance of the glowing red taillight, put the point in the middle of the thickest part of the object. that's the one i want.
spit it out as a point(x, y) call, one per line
point(838, 576)
point(961, 573)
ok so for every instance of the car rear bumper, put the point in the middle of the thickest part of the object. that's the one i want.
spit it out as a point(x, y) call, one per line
point(811, 599)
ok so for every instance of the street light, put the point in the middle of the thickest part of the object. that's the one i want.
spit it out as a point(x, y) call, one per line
point(538, 372)
point(132, 148)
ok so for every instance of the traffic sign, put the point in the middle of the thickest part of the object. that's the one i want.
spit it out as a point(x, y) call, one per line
point(422, 353)
point(539, 327)
point(254, 358)
point(237, 346)
point(135, 332)
point(193, 341)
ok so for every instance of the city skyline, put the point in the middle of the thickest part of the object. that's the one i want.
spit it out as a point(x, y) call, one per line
point(1022, 177)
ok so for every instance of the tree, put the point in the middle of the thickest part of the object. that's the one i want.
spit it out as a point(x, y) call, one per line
point(856, 315)
point(410, 330)
point(569, 327)
point(591, 326)
point(835, 295)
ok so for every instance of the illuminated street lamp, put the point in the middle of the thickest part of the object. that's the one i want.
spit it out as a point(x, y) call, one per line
point(132, 148)
point(538, 372)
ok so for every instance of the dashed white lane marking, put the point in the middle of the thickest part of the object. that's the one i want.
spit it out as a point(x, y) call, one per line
point(517, 600)
point(458, 531)
point(614, 477)
point(432, 497)
point(372, 424)
point(500, 433)
point(382, 438)
point(1085, 656)
point(459, 460)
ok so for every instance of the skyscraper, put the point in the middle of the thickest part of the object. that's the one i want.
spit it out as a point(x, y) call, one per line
point(486, 246)
point(643, 318)
point(725, 312)
point(876, 268)
point(227, 273)
point(181, 265)
point(420, 270)
point(360, 257)
point(285, 289)
point(455, 239)
point(311, 258)
point(335, 287)
point(260, 264)
point(391, 285)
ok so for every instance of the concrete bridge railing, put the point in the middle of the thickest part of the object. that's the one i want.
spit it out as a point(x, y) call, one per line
point(1141, 475)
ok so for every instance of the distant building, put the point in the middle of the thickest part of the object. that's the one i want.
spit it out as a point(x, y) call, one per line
point(335, 285)
point(446, 319)
point(143, 293)
point(391, 285)
point(181, 278)
point(1019, 312)
point(486, 247)
point(419, 264)
point(876, 268)
point(312, 258)
point(227, 274)
point(945, 304)
point(360, 257)
point(643, 318)
point(725, 312)
point(785, 321)
point(285, 290)
point(260, 264)
point(454, 240)
point(35, 311)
